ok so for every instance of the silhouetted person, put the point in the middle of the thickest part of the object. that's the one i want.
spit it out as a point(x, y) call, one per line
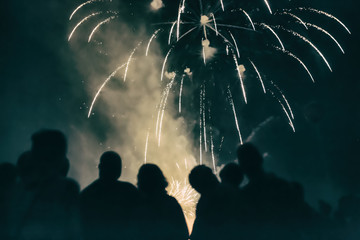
point(108, 206)
point(52, 198)
point(272, 201)
point(232, 175)
point(163, 217)
point(348, 217)
point(215, 209)
point(8, 176)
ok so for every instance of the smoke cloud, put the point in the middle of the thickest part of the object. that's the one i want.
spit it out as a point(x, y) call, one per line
point(129, 109)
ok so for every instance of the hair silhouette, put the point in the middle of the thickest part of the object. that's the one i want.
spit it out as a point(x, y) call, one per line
point(151, 179)
point(202, 179)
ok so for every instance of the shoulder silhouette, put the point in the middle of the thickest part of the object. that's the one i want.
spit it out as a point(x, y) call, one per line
point(162, 214)
point(108, 206)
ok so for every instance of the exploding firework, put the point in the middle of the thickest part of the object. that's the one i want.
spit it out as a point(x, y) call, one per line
point(214, 36)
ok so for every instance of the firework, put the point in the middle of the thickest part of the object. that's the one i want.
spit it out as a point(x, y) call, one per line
point(210, 39)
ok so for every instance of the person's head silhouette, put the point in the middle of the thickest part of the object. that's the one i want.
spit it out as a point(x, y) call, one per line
point(250, 160)
point(232, 175)
point(110, 166)
point(49, 143)
point(202, 179)
point(151, 180)
point(48, 149)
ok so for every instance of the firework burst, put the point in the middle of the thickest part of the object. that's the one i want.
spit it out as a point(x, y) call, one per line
point(214, 34)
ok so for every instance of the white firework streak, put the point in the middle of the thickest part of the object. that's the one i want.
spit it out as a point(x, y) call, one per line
point(81, 22)
point(328, 34)
point(240, 78)
point(82, 5)
point(102, 86)
point(236, 47)
point(327, 15)
point(285, 99)
point(171, 31)
point(181, 9)
point(222, 5)
point(129, 60)
point(297, 59)
point(97, 26)
point(268, 6)
point(168, 88)
point(146, 145)
point(200, 139)
point(285, 111)
point(204, 117)
point(235, 116)
point(310, 43)
point(164, 63)
point(204, 55)
point(215, 25)
point(296, 17)
point(180, 92)
point(274, 33)
point(248, 16)
point(162, 100)
point(259, 75)
point(151, 39)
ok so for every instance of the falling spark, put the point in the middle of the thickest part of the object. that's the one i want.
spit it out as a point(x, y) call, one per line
point(212, 149)
point(285, 99)
point(296, 17)
point(268, 6)
point(310, 43)
point(102, 86)
point(181, 9)
point(80, 6)
point(248, 17)
point(328, 34)
point(259, 76)
point(167, 91)
point(274, 33)
point(285, 111)
point(201, 110)
point(326, 14)
point(171, 31)
point(97, 26)
point(236, 47)
point(146, 145)
point(204, 117)
point(298, 59)
point(165, 60)
point(215, 25)
point(152, 37)
point(222, 5)
point(240, 78)
point(129, 60)
point(235, 116)
point(221, 143)
point(81, 22)
point(180, 93)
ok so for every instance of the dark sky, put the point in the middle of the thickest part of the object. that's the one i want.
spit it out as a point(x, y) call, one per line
point(42, 87)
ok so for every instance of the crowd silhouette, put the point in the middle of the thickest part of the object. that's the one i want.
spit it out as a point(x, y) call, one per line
point(39, 202)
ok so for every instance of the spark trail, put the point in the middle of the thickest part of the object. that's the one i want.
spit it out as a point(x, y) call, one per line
point(102, 86)
point(231, 101)
point(297, 59)
point(327, 15)
point(81, 22)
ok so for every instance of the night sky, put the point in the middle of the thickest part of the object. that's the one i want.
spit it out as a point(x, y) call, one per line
point(48, 82)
